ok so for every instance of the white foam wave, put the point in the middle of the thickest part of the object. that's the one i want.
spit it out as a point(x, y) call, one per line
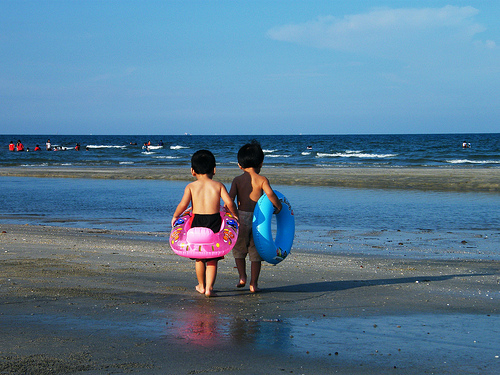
point(167, 157)
point(306, 153)
point(155, 147)
point(178, 147)
point(354, 154)
point(269, 151)
point(106, 146)
point(278, 156)
point(467, 161)
point(35, 165)
point(126, 162)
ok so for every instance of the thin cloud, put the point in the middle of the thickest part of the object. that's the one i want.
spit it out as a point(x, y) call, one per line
point(388, 31)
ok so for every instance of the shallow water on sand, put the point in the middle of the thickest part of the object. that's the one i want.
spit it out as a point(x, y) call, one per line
point(383, 340)
point(380, 222)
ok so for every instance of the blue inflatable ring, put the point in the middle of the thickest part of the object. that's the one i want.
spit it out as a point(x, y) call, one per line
point(273, 251)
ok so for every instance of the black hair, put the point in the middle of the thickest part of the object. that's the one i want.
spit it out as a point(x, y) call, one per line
point(203, 162)
point(251, 155)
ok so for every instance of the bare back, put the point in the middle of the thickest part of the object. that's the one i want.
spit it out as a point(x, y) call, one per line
point(249, 187)
point(205, 196)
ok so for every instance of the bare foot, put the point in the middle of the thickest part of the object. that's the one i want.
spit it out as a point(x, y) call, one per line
point(254, 289)
point(210, 293)
point(200, 289)
point(241, 284)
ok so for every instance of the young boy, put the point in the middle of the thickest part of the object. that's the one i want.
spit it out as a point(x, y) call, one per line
point(204, 194)
point(248, 188)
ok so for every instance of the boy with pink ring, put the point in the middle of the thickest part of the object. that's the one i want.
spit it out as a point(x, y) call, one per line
point(205, 194)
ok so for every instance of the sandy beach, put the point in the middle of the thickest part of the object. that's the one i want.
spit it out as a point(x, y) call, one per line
point(429, 179)
point(96, 301)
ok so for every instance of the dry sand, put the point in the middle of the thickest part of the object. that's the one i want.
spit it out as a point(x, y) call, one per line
point(93, 302)
point(439, 179)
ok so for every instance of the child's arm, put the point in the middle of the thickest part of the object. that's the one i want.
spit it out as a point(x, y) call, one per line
point(233, 190)
point(228, 201)
point(266, 187)
point(184, 203)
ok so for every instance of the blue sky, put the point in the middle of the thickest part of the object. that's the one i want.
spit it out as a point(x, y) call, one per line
point(249, 67)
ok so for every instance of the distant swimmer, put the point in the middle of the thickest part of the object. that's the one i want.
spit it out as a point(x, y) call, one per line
point(77, 147)
point(19, 146)
point(145, 148)
point(309, 147)
point(160, 143)
point(465, 144)
point(48, 146)
point(12, 146)
point(37, 148)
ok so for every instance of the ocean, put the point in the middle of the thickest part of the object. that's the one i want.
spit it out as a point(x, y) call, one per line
point(396, 223)
point(398, 151)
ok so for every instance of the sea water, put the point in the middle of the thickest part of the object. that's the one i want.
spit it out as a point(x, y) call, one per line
point(380, 222)
point(385, 222)
point(397, 151)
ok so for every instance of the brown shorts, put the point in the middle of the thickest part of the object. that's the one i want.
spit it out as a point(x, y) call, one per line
point(245, 245)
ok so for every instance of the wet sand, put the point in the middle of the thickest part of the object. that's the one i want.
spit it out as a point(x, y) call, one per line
point(435, 179)
point(95, 301)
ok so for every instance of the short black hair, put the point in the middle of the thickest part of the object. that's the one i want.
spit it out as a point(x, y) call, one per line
point(251, 155)
point(203, 162)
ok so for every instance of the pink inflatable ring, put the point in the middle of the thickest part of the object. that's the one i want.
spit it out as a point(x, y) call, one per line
point(201, 243)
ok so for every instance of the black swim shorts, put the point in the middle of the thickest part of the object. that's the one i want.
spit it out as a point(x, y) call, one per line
point(211, 221)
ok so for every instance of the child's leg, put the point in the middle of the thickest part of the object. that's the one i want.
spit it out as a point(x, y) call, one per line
point(200, 275)
point(254, 276)
point(242, 272)
point(211, 274)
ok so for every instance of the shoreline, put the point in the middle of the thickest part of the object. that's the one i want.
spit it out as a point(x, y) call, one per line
point(425, 179)
point(101, 301)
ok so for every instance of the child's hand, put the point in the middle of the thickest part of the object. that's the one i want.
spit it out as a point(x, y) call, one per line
point(174, 219)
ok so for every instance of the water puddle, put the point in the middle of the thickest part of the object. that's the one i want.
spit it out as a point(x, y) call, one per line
point(402, 340)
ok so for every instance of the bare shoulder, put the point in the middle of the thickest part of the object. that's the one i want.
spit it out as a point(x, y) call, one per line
point(260, 180)
point(192, 185)
point(219, 184)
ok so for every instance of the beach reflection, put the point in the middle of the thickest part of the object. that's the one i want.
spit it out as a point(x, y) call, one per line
point(271, 335)
point(367, 337)
point(198, 325)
